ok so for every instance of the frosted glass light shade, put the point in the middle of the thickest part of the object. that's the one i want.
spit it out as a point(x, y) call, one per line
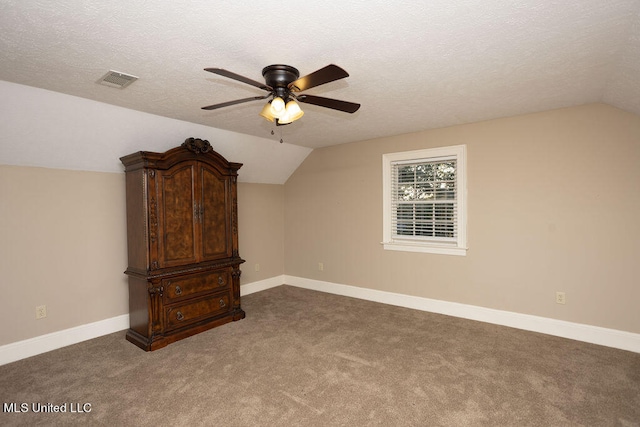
point(277, 107)
point(266, 112)
point(292, 113)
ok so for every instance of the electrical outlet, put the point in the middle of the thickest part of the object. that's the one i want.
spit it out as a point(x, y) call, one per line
point(321, 266)
point(560, 298)
point(257, 267)
point(41, 311)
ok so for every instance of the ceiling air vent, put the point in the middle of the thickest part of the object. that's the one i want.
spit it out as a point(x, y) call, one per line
point(117, 79)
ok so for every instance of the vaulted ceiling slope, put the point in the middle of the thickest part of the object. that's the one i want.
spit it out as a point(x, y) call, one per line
point(413, 65)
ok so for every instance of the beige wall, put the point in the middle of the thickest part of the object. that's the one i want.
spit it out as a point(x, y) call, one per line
point(554, 202)
point(541, 191)
point(261, 230)
point(63, 244)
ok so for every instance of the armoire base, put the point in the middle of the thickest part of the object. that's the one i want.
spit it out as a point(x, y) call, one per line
point(159, 341)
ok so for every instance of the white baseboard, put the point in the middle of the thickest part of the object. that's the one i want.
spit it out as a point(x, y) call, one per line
point(576, 331)
point(261, 285)
point(44, 343)
point(591, 334)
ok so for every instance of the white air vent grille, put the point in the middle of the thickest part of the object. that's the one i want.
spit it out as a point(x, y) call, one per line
point(117, 79)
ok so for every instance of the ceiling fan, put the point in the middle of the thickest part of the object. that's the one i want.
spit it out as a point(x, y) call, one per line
point(283, 82)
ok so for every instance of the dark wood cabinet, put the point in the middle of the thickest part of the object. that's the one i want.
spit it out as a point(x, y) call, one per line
point(184, 265)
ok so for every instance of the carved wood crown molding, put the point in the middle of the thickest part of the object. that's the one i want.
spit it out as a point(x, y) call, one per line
point(197, 145)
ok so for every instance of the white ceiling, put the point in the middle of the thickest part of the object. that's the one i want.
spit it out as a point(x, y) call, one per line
point(413, 65)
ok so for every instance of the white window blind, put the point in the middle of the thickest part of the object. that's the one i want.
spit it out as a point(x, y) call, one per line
point(423, 199)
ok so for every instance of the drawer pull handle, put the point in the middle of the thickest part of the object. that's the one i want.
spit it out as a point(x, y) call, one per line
point(222, 303)
point(220, 280)
point(178, 290)
point(179, 316)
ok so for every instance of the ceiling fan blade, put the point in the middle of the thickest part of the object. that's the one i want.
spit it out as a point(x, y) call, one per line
point(237, 101)
point(239, 78)
point(323, 75)
point(347, 107)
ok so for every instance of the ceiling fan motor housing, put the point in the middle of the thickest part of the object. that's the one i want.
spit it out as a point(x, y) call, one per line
point(278, 77)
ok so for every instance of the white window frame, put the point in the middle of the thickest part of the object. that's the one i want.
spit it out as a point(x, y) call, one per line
point(425, 244)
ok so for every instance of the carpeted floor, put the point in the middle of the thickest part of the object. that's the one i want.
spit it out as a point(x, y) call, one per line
point(305, 358)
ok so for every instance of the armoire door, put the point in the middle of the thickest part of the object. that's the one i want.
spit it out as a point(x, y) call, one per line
point(215, 200)
point(177, 210)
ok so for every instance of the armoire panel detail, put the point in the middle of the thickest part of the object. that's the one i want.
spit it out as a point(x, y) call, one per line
point(177, 200)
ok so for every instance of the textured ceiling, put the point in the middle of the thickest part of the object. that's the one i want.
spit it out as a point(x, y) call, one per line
point(413, 65)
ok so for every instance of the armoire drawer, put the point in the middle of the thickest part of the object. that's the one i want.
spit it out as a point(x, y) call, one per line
point(180, 315)
point(180, 288)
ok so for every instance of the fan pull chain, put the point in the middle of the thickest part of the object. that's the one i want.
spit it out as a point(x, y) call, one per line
point(273, 133)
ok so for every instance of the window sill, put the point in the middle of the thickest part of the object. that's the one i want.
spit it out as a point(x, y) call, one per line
point(425, 248)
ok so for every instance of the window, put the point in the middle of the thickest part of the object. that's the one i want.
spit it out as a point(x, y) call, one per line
point(425, 200)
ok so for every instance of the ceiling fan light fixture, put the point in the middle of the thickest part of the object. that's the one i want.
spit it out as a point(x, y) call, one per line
point(292, 113)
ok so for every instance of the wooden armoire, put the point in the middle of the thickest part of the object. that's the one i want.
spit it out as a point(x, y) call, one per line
point(182, 230)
